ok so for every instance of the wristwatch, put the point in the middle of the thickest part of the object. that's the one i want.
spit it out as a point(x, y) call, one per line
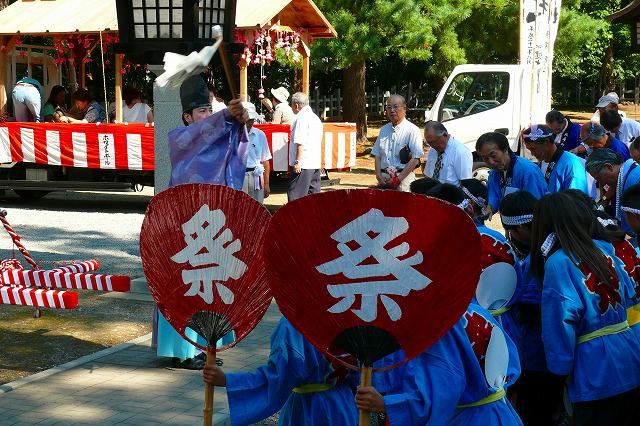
point(295, 162)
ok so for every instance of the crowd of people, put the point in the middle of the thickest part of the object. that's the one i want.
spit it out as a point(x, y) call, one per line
point(27, 98)
point(569, 281)
point(571, 313)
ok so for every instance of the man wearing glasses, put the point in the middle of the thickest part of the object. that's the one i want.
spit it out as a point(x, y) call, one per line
point(399, 140)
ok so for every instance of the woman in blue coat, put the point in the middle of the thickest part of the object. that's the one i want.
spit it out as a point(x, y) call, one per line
point(585, 296)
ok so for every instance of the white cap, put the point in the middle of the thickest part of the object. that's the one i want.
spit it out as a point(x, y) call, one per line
point(251, 109)
point(281, 94)
point(607, 99)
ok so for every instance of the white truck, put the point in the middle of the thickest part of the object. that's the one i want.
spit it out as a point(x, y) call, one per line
point(489, 98)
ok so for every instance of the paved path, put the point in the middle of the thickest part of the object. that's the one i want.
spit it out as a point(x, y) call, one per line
point(127, 385)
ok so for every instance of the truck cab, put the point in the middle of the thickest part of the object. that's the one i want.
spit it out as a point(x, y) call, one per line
point(485, 98)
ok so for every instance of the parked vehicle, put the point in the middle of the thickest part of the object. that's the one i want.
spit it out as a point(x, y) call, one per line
point(488, 98)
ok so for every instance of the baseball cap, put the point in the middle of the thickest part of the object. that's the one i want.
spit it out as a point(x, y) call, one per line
point(607, 99)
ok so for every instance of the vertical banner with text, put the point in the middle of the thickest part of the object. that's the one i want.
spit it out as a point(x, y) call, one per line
point(539, 27)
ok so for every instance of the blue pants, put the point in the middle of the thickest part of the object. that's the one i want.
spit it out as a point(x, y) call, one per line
point(26, 100)
point(305, 183)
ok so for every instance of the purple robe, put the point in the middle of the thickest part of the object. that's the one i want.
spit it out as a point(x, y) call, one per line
point(213, 150)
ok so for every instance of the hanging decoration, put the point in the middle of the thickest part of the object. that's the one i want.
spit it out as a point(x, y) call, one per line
point(75, 49)
point(270, 45)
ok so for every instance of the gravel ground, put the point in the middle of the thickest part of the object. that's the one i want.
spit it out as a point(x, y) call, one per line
point(68, 226)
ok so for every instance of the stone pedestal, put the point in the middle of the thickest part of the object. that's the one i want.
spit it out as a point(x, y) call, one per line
point(167, 115)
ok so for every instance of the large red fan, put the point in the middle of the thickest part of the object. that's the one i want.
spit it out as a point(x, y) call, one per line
point(200, 247)
point(372, 271)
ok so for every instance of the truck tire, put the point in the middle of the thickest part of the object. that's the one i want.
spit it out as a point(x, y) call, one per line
point(480, 171)
point(30, 195)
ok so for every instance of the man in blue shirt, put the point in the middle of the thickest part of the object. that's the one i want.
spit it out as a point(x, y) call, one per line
point(562, 170)
point(610, 168)
point(567, 133)
point(509, 173)
point(594, 136)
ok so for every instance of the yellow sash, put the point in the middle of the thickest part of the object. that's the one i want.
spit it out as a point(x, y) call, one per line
point(313, 387)
point(604, 331)
point(497, 396)
point(498, 312)
point(633, 315)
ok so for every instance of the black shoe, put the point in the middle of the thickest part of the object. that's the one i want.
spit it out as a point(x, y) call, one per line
point(203, 356)
point(189, 363)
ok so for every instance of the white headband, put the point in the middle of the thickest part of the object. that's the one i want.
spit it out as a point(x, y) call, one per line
point(516, 220)
point(606, 222)
point(481, 202)
point(464, 204)
point(548, 244)
point(629, 209)
point(537, 133)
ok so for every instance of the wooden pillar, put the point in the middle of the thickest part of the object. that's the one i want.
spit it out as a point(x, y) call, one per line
point(303, 48)
point(244, 90)
point(118, 88)
point(8, 42)
point(83, 77)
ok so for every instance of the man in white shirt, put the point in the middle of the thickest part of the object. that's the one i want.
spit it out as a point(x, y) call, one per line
point(449, 160)
point(256, 178)
point(623, 129)
point(394, 137)
point(607, 102)
point(304, 149)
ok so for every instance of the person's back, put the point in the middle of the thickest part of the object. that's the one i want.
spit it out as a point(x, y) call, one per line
point(136, 113)
point(27, 99)
point(289, 383)
point(497, 250)
point(446, 384)
point(573, 296)
point(283, 114)
point(568, 173)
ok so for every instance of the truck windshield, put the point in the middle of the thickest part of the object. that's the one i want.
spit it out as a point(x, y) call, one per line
point(471, 93)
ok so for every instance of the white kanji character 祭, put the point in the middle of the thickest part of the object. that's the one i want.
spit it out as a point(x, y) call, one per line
point(216, 252)
point(371, 232)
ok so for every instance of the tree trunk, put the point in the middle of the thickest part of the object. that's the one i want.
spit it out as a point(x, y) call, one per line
point(606, 71)
point(354, 108)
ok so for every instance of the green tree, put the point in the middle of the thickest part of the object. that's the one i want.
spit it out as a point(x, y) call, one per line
point(368, 31)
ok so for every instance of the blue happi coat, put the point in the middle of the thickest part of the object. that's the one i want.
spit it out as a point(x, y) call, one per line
point(430, 388)
point(629, 175)
point(618, 146)
point(575, 304)
point(293, 362)
point(522, 175)
point(496, 249)
point(570, 138)
point(532, 356)
point(568, 173)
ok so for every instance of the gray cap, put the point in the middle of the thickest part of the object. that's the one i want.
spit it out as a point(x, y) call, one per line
point(609, 98)
point(194, 93)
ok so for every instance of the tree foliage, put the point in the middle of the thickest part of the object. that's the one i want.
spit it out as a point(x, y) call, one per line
point(421, 41)
point(371, 30)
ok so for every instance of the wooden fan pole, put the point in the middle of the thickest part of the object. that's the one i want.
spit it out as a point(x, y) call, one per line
point(365, 380)
point(208, 390)
point(227, 70)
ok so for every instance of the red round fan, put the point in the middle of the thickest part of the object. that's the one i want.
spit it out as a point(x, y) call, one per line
point(200, 247)
point(372, 271)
